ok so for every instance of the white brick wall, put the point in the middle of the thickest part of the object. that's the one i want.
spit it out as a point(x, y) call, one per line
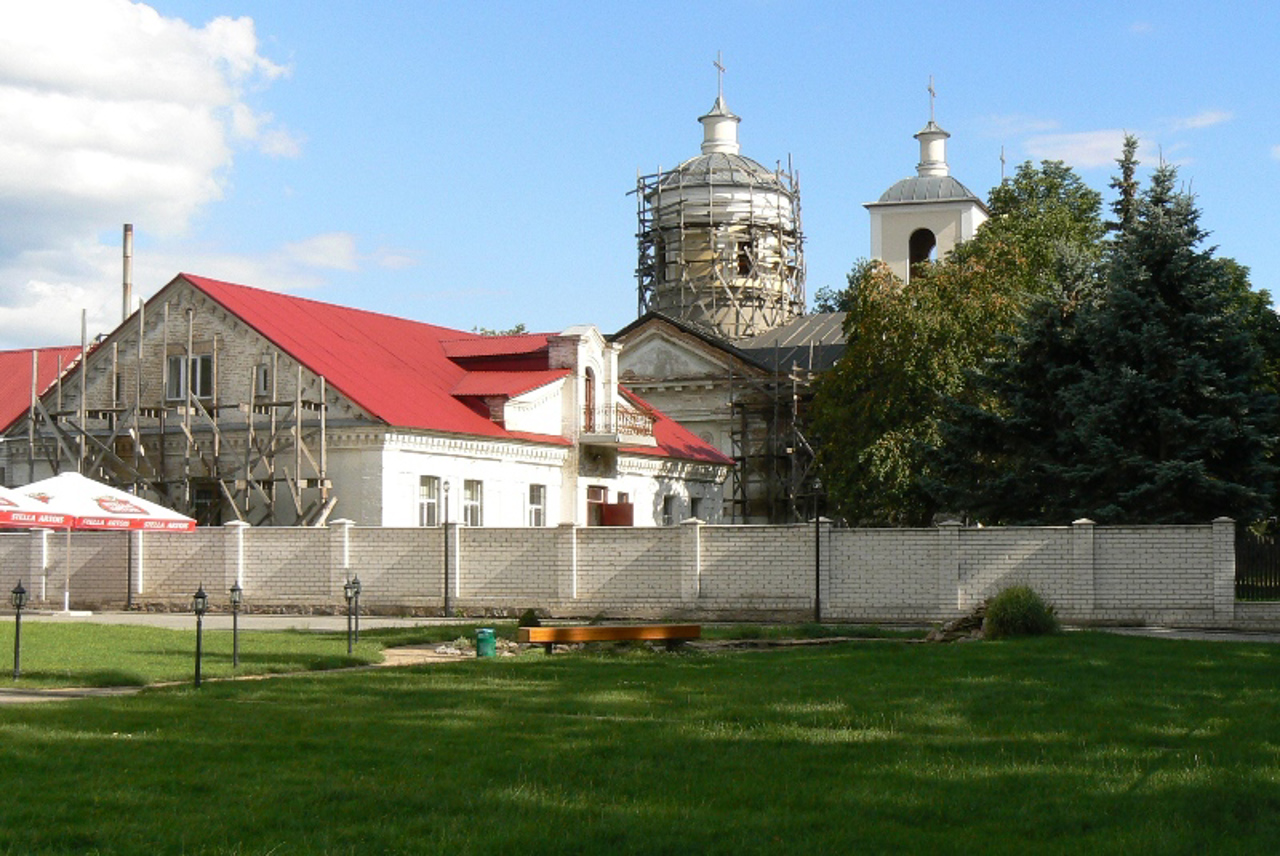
point(1165, 574)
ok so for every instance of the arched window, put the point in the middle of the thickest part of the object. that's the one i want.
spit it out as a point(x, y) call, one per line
point(923, 247)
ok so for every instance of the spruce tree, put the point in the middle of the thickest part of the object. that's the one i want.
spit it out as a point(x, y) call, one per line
point(1168, 413)
point(1126, 186)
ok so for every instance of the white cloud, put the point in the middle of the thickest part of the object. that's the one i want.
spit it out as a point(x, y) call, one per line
point(1275, 152)
point(1082, 150)
point(1015, 125)
point(1141, 28)
point(1205, 119)
point(113, 113)
point(333, 251)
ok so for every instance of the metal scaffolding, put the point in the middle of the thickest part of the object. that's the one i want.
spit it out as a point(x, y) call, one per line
point(774, 478)
point(720, 245)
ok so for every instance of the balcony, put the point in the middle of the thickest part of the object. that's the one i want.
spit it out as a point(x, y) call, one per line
point(616, 426)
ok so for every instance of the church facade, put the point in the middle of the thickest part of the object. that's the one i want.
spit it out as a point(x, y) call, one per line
point(722, 341)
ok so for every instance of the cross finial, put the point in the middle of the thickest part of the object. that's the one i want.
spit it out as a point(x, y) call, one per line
point(719, 76)
point(932, 95)
point(1002, 164)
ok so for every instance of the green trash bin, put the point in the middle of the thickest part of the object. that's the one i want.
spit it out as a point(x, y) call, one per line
point(486, 643)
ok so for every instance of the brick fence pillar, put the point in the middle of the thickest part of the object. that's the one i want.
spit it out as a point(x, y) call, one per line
point(691, 550)
point(1224, 571)
point(567, 563)
point(950, 597)
point(1083, 566)
point(340, 569)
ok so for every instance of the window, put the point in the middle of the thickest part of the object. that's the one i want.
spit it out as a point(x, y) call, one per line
point(744, 258)
point(695, 507)
point(262, 380)
point(596, 497)
point(428, 501)
point(473, 502)
point(199, 370)
point(537, 505)
point(668, 510)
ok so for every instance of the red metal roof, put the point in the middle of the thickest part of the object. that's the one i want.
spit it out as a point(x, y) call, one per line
point(674, 440)
point(15, 378)
point(404, 372)
point(492, 346)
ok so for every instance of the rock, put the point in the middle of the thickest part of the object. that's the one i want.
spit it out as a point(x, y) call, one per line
point(966, 628)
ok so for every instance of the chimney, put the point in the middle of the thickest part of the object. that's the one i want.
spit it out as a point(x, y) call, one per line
point(127, 296)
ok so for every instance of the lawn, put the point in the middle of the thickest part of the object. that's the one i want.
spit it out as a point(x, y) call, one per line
point(1071, 744)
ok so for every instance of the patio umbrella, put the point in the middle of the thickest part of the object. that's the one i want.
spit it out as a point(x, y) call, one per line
point(94, 505)
point(18, 511)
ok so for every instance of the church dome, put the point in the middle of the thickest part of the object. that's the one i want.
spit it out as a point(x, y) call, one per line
point(928, 188)
point(721, 168)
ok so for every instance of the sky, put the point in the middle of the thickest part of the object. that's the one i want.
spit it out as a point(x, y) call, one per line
point(468, 164)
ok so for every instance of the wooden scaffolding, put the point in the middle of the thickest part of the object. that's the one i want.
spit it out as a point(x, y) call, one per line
point(261, 459)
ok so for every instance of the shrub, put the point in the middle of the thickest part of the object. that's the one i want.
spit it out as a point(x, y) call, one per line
point(1018, 611)
point(529, 618)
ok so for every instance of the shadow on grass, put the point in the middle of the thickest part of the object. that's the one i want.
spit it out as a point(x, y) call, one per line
point(94, 678)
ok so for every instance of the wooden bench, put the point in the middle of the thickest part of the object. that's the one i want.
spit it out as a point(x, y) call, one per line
point(672, 634)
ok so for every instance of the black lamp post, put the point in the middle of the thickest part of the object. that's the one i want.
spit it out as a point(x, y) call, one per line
point(352, 592)
point(199, 605)
point(237, 595)
point(19, 601)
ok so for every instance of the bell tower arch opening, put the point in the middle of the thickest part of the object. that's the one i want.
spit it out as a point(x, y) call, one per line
point(922, 248)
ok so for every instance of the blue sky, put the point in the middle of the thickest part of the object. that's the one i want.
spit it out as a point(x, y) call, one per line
point(468, 164)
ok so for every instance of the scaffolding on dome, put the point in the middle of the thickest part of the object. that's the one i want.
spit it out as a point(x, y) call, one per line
point(720, 245)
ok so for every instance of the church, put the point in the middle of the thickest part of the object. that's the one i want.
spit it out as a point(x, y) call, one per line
point(722, 341)
point(233, 403)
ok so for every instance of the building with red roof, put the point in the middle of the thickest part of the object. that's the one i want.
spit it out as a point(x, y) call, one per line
point(235, 403)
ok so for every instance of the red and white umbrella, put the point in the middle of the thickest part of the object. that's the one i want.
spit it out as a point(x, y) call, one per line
point(94, 505)
point(18, 511)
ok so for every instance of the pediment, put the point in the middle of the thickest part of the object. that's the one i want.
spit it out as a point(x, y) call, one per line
point(662, 352)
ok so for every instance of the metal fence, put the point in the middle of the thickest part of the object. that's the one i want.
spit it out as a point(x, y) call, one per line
point(1257, 566)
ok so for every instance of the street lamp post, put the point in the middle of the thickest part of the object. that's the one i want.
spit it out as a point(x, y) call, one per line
point(19, 600)
point(356, 583)
point(199, 605)
point(237, 595)
point(351, 590)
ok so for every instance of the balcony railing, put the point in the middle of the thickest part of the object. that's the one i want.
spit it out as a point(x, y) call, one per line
point(617, 421)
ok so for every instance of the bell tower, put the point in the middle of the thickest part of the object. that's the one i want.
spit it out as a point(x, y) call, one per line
point(920, 219)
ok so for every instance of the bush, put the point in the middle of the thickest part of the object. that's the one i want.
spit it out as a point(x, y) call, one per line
point(529, 618)
point(1018, 611)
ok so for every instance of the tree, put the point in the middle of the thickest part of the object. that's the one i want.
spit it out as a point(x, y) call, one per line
point(910, 347)
point(1146, 402)
point(1126, 186)
point(517, 330)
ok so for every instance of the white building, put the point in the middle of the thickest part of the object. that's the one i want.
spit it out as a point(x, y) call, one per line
point(229, 402)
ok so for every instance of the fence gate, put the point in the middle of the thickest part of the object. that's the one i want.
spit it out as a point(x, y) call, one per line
point(1257, 566)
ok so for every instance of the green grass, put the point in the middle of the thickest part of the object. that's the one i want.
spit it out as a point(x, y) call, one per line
point(1077, 743)
point(806, 631)
point(97, 655)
